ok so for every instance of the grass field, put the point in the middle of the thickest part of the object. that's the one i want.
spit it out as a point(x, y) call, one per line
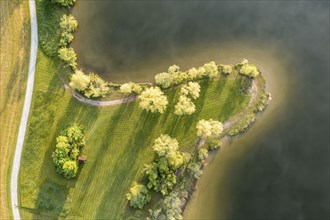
point(14, 55)
point(118, 144)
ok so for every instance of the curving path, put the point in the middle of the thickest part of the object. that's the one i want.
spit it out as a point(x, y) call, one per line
point(25, 112)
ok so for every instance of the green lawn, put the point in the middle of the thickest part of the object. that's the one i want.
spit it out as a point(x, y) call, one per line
point(118, 144)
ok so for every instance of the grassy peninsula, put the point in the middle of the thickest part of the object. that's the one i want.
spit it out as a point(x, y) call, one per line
point(119, 138)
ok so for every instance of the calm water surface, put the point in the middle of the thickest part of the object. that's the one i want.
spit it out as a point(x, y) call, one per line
point(280, 168)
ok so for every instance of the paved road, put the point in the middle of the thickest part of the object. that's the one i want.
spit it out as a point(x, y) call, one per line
point(25, 112)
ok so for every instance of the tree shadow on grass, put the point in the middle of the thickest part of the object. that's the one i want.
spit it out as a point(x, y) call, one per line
point(139, 141)
point(50, 201)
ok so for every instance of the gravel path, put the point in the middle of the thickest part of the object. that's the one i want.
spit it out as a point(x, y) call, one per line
point(25, 113)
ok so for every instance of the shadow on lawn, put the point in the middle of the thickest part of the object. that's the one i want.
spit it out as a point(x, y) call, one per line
point(52, 196)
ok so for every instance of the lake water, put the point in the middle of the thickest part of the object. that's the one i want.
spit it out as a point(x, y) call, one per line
point(280, 168)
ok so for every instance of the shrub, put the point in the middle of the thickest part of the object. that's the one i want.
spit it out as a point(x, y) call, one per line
point(243, 124)
point(202, 154)
point(214, 143)
point(209, 128)
point(195, 169)
point(249, 70)
point(125, 89)
point(262, 102)
point(68, 25)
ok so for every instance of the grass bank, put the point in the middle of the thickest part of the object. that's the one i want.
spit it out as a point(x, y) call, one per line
point(14, 56)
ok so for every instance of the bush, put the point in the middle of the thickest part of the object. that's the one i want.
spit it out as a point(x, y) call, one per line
point(195, 169)
point(138, 196)
point(243, 124)
point(214, 143)
point(125, 89)
point(202, 154)
point(67, 149)
point(262, 102)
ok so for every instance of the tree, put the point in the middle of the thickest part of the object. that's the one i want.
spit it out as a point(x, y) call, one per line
point(192, 74)
point(138, 196)
point(67, 150)
point(191, 89)
point(172, 207)
point(68, 23)
point(164, 80)
point(249, 70)
point(136, 88)
point(174, 68)
point(65, 3)
point(211, 69)
point(70, 169)
point(160, 176)
point(125, 89)
point(154, 100)
point(69, 56)
point(97, 87)
point(184, 106)
point(79, 81)
point(209, 129)
point(202, 154)
point(165, 145)
point(226, 69)
point(179, 77)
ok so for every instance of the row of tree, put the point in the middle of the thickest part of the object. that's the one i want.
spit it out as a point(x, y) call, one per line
point(161, 175)
point(67, 150)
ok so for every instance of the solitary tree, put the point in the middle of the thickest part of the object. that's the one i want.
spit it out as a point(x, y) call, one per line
point(79, 81)
point(138, 196)
point(209, 128)
point(184, 106)
point(154, 100)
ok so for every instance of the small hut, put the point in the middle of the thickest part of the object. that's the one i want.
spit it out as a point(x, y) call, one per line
point(82, 159)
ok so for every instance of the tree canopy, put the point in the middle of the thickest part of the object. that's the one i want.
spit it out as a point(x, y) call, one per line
point(67, 150)
point(69, 56)
point(184, 106)
point(138, 196)
point(79, 81)
point(209, 128)
point(165, 145)
point(191, 89)
point(154, 100)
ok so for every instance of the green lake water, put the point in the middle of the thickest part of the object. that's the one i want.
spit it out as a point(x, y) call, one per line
point(279, 169)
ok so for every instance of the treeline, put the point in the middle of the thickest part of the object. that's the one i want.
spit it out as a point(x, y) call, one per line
point(170, 171)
